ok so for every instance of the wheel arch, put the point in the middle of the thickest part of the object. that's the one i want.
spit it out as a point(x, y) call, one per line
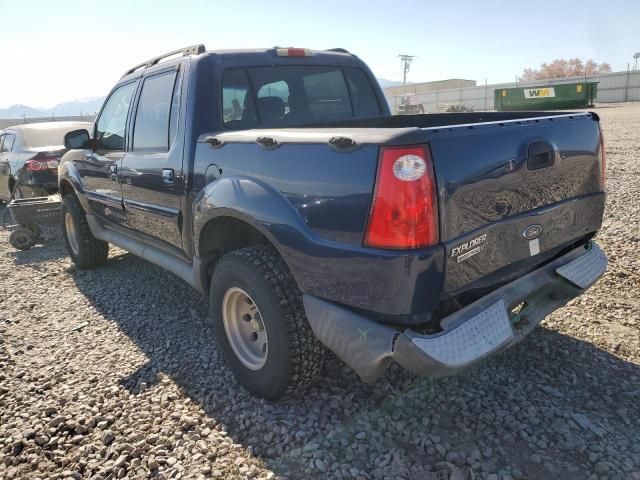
point(243, 211)
point(224, 233)
point(65, 187)
point(69, 179)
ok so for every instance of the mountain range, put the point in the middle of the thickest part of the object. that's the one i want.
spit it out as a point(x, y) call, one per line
point(84, 106)
point(90, 106)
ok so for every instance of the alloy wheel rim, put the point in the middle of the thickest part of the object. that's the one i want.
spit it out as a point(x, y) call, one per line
point(244, 328)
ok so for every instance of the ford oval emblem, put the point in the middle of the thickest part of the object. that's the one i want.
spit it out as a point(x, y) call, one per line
point(532, 231)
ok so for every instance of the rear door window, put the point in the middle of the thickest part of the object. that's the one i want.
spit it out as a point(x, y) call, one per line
point(151, 126)
point(7, 145)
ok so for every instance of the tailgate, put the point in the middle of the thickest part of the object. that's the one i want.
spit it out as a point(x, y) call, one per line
point(513, 193)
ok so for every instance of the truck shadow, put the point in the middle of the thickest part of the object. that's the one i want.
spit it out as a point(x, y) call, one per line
point(552, 395)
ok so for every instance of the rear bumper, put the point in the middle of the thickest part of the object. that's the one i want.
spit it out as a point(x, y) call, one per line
point(39, 183)
point(473, 333)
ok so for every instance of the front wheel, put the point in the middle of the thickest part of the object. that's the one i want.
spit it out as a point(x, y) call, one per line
point(85, 250)
point(260, 324)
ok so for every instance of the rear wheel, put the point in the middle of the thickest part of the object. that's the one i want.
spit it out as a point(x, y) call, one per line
point(260, 324)
point(85, 250)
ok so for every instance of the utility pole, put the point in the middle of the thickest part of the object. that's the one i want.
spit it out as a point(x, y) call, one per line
point(406, 65)
point(626, 84)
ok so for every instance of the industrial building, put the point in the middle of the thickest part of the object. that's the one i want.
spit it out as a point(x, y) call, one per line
point(418, 88)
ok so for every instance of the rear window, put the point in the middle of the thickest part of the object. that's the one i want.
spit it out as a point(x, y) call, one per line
point(295, 95)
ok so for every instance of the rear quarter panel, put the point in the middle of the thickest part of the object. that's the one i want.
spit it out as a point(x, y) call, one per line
point(331, 191)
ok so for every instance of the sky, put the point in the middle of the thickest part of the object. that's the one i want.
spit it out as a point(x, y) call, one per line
point(60, 50)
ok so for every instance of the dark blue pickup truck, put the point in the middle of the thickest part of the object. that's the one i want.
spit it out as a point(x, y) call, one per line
point(276, 182)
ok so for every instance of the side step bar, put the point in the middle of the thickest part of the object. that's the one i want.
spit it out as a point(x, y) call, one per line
point(192, 273)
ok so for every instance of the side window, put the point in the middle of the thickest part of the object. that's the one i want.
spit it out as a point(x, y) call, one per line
point(328, 95)
point(2, 143)
point(363, 98)
point(7, 145)
point(238, 110)
point(151, 127)
point(110, 128)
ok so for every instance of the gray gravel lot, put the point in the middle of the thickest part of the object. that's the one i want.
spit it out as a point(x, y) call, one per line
point(114, 373)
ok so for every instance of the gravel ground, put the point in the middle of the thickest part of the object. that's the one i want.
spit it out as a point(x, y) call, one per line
point(114, 374)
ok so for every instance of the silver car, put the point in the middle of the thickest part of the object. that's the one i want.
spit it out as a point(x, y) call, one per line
point(29, 156)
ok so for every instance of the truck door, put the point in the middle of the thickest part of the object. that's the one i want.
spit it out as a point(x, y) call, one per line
point(99, 168)
point(152, 171)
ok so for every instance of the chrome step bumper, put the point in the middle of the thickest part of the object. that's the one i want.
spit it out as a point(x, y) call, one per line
point(469, 335)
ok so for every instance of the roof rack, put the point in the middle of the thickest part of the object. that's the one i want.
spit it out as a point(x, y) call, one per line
point(339, 50)
point(191, 50)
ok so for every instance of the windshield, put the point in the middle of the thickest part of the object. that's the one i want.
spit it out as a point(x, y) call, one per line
point(295, 95)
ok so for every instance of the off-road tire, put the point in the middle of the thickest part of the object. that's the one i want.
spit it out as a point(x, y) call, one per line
point(294, 356)
point(92, 253)
point(22, 238)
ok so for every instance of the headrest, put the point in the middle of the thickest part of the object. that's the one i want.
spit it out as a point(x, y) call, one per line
point(270, 108)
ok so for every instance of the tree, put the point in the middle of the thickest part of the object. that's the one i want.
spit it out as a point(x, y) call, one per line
point(561, 68)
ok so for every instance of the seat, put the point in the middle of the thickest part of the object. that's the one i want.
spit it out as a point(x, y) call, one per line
point(270, 109)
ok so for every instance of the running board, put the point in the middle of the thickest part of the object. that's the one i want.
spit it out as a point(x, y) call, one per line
point(192, 273)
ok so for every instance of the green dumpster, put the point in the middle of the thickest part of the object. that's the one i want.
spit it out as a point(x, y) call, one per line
point(546, 97)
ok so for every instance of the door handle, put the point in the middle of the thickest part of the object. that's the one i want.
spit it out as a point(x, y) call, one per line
point(113, 172)
point(168, 175)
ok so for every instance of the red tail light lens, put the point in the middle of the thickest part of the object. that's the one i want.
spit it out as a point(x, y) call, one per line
point(404, 211)
point(36, 165)
point(42, 162)
point(603, 162)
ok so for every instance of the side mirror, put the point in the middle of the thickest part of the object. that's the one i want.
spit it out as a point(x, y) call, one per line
point(77, 139)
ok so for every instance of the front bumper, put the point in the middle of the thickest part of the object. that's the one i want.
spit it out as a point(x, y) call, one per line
point(469, 335)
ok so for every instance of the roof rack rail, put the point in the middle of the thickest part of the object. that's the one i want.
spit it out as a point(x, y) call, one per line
point(191, 50)
point(339, 50)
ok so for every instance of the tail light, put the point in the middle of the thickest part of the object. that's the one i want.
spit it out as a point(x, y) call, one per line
point(603, 162)
point(42, 161)
point(404, 211)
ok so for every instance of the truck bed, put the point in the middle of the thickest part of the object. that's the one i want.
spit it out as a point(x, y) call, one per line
point(487, 182)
